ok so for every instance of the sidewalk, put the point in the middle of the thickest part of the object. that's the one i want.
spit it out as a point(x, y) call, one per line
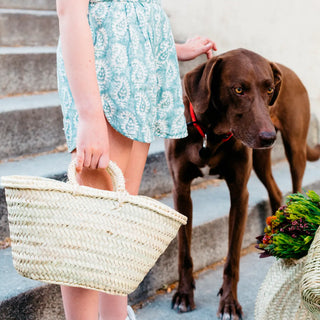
point(252, 273)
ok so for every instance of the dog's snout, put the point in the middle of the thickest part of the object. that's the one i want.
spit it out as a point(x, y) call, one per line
point(267, 138)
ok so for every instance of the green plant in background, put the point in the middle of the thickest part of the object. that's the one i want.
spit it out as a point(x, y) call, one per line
point(289, 233)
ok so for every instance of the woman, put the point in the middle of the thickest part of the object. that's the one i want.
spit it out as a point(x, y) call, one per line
point(119, 86)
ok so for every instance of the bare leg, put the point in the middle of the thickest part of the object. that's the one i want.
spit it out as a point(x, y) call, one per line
point(130, 156)
point(133, 175)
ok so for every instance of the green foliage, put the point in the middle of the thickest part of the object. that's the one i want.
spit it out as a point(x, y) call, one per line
point(290, 232)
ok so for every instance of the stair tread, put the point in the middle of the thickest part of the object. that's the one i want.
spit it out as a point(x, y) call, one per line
point(52, 164)
point(28, 11)
point(12, 283)
point(46, 165)
point(28, 50)
point(33, 101)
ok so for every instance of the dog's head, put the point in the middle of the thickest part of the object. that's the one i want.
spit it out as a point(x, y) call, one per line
point(233, 92)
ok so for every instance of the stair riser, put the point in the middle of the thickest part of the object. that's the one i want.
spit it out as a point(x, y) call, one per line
point(44, 303)
point(4, 224)
point(27, 73)
point(30, 131)
point(41, 30)
point(29, 4)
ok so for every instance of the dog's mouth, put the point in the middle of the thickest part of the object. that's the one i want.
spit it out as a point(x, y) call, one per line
point(267, 145)
point(264, 140)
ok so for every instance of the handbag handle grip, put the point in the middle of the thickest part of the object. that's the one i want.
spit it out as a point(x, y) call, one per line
point(114, 171)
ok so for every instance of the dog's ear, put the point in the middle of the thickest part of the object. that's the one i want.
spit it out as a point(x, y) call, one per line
point(277, 82)
point(198, 84)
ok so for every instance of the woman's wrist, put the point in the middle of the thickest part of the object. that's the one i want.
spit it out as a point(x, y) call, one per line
point(179, 50)
point(91, 113)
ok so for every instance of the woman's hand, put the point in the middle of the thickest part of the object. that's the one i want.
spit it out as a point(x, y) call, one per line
point(92, 143)
point(194, 47)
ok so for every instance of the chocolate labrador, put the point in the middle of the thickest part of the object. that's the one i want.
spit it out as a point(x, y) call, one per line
point(234, 104)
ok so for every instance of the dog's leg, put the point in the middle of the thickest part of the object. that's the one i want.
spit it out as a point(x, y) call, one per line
point(296, 152)
point(237, 178)
point(183, 299)
point(183, 172)
point(262, 167)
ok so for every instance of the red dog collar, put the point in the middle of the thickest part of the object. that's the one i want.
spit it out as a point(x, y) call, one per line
point(194, 121)
point(197, 126)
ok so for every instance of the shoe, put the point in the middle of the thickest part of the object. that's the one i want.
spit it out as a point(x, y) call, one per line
point(131, 315)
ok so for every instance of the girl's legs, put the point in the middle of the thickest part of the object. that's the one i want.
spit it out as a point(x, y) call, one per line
point(131, 157)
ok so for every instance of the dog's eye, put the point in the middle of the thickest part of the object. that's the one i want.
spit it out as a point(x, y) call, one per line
point(238, 90)
point(270, 90)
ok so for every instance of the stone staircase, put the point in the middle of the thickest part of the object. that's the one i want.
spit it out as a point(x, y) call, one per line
point(32, 143)
point(30, 118)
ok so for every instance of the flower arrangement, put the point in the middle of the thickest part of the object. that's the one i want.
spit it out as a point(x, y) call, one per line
point(289, 233)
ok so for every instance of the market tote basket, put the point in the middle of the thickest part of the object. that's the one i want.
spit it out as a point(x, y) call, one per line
point(63, 233)
point(279, 296)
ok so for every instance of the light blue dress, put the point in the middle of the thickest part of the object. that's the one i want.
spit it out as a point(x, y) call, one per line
point(137, 72)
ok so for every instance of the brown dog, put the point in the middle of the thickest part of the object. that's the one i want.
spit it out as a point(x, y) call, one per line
point(242, 94)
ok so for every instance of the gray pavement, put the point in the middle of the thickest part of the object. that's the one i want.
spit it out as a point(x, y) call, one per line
point(252, 273)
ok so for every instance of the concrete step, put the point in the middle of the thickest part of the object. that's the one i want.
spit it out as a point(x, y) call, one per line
point(252, 273)
point(28, 28)
point(30, 124)
point(27, 69)
point(209, 245)
point(28, 4)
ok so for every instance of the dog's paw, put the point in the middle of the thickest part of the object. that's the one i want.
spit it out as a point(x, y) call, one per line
point(183, 302)
point(229, 317)
point(229, 309)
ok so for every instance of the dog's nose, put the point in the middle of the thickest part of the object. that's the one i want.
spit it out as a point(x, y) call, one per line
point(267, 138)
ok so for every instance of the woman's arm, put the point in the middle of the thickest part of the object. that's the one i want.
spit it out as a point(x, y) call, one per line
point(194, 47)
point(78, 56)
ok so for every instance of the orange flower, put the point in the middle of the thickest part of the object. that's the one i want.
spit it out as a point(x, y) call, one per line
point(270, 219)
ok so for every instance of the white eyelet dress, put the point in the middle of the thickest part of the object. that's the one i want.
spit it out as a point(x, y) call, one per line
point(137, 72)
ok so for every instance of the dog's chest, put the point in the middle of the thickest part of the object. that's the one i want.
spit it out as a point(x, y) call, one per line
point(211, 171)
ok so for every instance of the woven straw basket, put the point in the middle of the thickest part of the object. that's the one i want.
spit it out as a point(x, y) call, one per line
point(78, 236)
point(279, 296)
point(310, 282)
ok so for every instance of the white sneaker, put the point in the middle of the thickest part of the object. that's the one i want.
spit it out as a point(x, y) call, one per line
point(131, 315)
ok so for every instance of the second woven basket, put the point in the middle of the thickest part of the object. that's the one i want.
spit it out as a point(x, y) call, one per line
point(279, 296)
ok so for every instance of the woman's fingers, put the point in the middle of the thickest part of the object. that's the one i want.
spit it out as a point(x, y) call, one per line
point(92, 160)
point(87, 158)
point(103, 161)
point(79, 160)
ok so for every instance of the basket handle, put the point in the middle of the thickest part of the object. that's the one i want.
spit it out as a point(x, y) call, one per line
point(114, 171)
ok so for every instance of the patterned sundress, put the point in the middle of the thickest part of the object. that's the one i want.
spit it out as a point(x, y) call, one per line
point(137, 72)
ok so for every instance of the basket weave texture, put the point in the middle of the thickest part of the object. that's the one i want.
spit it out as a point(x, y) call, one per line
point(78, 236)
point(310, 282)
point(279, 296)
